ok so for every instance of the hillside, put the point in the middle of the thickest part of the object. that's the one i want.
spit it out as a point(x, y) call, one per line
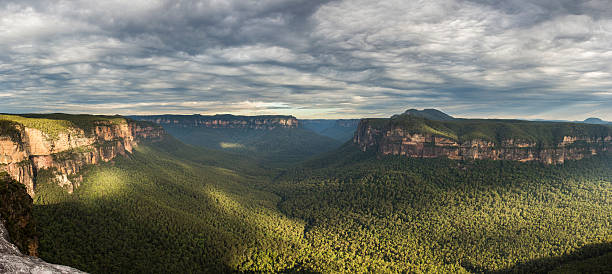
point(593, 120)
point(430, 113)
point(375, 213)
point(169, 208)
point(519, 140)
point(274, 140)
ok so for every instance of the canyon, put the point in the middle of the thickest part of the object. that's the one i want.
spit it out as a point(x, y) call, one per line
point(550, 143)
point(338, 129)
point(28, 150)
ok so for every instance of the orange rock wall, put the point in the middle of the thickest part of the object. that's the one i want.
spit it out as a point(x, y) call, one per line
point(396, 141)
point(69, 151)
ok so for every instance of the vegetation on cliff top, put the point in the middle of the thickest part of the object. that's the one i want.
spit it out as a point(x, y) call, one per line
point(54, 124)
point(9, 128)
point(16, 214)
point(494, 130)
point(431, 114)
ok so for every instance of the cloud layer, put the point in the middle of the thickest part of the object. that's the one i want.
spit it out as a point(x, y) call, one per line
point(353, 58)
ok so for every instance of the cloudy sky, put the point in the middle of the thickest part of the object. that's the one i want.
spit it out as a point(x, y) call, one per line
point(310, 58)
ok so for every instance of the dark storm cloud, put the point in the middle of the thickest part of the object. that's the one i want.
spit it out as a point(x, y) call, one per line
point(521, 58)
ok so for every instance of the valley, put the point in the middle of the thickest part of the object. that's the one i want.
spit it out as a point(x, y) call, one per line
point(298, 136)
point(271, 140)
point(411, 193)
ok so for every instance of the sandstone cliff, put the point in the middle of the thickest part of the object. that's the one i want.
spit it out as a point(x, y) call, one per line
point(546, 142)
point(64, 145)
point(223, 121)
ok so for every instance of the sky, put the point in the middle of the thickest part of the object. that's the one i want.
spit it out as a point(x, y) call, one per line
point(549, 59)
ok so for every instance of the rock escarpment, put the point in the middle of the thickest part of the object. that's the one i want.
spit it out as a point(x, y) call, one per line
point(18, 233)
point(64, 145)
point(223, 121)
point(464, 139)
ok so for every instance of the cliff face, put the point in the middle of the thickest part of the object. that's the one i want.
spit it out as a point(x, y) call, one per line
point(25, 153)
point(394, 139)
point(223, 121)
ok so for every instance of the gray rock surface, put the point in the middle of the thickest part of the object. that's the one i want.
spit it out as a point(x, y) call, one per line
point(12, 261)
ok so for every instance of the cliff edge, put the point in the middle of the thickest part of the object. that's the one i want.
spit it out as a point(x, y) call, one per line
point(463, 139)
point(65, 143)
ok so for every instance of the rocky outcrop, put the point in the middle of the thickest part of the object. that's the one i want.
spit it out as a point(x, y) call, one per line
point(24, 154)
point(391, 139)
point(18, 233)
point(16, 215)
point(223, 121)
point(13, 261)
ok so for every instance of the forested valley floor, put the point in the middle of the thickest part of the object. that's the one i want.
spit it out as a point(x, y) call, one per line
point(176, 208)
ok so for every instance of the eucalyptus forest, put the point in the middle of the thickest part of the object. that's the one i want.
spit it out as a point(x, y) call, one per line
point(172, 207)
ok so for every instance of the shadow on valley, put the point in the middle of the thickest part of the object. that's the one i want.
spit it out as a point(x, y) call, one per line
point(593, 258)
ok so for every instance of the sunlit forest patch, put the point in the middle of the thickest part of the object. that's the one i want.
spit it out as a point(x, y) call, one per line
point(231, 145)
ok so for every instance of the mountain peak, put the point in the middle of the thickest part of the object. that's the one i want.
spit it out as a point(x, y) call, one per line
point(593, 120)
point(430, 113)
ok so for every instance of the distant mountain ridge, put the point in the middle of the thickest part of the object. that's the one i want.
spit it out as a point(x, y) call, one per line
point(437, 115)
point(430, 113)
point(280, 139)
point(413, 135)
point(593, 120)
point(222, 121)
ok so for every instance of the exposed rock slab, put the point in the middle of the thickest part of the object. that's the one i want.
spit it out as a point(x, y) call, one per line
point(12, 261)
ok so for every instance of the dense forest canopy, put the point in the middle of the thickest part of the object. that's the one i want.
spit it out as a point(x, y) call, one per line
point(174, 207)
